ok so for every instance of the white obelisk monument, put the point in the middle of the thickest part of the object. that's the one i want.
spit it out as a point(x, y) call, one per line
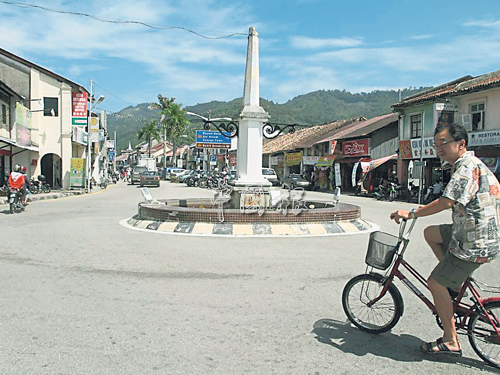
point(252, 119)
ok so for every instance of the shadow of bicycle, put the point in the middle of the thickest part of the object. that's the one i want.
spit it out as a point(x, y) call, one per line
point(401, 348)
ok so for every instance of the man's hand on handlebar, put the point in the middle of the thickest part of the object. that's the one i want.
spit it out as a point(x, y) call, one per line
point(400, 214)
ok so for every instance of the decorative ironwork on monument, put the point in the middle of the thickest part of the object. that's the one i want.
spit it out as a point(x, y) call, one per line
point(227, 128)
point(269, 130)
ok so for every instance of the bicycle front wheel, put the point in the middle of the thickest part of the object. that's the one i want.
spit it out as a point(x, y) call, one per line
point(377, 318)
point(482, 334)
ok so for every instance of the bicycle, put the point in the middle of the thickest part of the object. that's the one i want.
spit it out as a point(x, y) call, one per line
point(372, 302)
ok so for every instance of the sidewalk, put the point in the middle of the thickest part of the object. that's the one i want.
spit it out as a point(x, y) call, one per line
point(54, 194)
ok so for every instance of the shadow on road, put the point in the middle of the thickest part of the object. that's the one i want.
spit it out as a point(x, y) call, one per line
point(402, 348)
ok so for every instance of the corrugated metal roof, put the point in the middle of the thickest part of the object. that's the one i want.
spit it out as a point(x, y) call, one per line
point(362, 128)
point(301, 138)
point(454, 88)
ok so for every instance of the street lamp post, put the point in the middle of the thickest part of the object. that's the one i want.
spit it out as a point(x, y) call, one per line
point(89, 141)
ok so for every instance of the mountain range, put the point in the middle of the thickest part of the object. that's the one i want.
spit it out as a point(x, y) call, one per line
point(314, 108)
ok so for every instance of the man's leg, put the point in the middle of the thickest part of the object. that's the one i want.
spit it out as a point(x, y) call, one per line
point(444, 308)
point(434, 239)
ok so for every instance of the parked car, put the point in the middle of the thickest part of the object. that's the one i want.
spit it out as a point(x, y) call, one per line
point(150, 178)
point(169, 171)
point(174, 174)
point(183, 176)
point(270, 175)
point(136, 174)
point(295, 180)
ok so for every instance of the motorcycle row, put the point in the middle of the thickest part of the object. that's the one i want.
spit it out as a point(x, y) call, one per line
point(393, 191)
point(209, 180)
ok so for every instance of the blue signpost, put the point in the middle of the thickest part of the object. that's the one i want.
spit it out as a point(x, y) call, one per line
point(212, 139)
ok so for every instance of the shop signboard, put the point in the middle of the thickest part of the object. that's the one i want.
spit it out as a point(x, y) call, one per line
point(491, 137)
point(293, 158)
point(79, 108)
point(325, 161)
point(212, 139)
point(77, 177)
point(338, 178)
point(310, 160)
point(405, 149)
point(79, 135)
point(357, 147)
point(22, 126)
point(427, 151)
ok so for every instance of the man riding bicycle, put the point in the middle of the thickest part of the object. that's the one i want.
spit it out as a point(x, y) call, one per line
point(473, 193)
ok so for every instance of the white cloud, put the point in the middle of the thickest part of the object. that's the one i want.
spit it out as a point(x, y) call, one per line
point(302, 42)
point(422, 37)
point(484, 24)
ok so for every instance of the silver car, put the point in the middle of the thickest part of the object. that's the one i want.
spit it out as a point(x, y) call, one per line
point(294, 180)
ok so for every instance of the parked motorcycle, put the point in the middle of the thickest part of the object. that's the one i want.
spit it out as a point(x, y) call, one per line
point(381, 192)
point(44, 187)
point(15, 200)
point(34, 186)
point(193, 180)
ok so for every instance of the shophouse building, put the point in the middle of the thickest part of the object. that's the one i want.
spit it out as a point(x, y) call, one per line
point(471, 101)
point(36, 128)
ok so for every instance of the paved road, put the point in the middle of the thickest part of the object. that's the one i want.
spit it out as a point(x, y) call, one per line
point(83, 295)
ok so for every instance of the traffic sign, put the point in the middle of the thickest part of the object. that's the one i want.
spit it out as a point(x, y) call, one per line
point(212, 139)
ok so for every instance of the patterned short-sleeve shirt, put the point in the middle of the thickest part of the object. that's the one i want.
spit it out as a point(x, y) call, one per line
point(476, 212)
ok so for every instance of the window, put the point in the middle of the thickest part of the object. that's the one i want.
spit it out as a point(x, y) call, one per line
point(50, 107)
point(477, 113)
point(4, 114)
point(416, 125)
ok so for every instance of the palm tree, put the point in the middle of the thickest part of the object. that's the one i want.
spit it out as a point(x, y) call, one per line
point(149, 132)
point(173, 123)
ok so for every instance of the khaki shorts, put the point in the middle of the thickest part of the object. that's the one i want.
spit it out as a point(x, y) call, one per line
point(451, 271)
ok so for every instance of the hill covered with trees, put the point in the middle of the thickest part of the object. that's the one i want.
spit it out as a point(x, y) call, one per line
point(318, 107)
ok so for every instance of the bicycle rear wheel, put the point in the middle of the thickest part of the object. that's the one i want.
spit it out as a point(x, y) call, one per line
point(482, 333)
point(380, 317)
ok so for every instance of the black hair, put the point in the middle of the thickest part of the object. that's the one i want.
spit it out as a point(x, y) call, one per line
point(457, 131)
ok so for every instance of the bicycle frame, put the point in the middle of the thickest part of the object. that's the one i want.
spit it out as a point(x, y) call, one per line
point(463, 311)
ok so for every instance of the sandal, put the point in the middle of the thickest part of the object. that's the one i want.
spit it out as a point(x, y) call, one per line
point(443, 349)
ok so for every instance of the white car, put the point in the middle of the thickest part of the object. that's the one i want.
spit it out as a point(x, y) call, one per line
point(270, 175)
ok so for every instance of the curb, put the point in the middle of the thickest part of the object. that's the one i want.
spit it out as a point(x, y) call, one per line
point(55, 195)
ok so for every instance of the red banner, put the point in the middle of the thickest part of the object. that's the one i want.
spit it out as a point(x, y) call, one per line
point(358, 147)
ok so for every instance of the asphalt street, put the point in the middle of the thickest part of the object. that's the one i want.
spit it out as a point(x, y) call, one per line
point(83, 295)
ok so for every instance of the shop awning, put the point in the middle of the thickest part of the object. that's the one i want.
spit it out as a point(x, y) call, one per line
point(10, 142)
point(371, 165)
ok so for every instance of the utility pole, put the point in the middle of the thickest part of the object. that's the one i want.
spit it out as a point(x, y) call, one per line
point(89, 141)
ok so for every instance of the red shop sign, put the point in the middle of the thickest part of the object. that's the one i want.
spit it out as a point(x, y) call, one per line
point(358, 147)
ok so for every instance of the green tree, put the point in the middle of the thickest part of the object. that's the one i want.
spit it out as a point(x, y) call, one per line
point(149, 132)
point(173, 123)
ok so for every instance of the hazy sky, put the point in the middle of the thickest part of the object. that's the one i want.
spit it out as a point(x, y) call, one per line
point(305, 45)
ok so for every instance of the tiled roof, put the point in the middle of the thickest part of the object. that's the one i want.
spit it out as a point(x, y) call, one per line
point(300, 138)
point(458, 87)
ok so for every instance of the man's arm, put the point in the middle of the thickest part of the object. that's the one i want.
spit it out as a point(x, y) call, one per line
point(432, 208)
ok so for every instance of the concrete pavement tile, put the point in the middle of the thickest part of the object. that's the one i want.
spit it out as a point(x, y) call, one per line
point(167, 226)
point(184, 227)
point(154, 225)
point(348, 227)
point(301, 229)
point(242, 229)
point(143, 224)
point(332, 227)
point(261, 228)
point(203, 228)
point(282, 229)
point(316, 229)
point(223, 228)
